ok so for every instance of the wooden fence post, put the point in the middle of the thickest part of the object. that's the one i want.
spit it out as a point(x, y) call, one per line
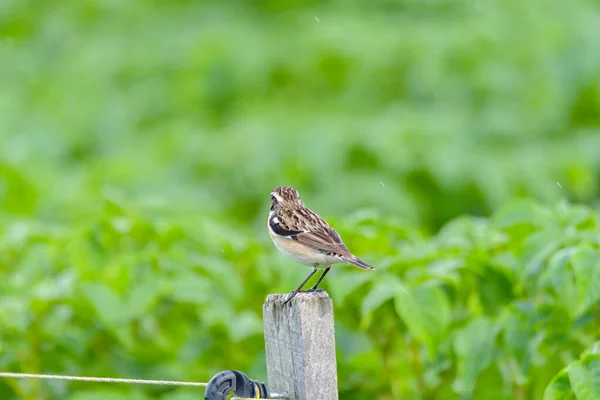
point(300, 346)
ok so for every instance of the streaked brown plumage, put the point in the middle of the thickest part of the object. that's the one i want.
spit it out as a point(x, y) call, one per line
point(305, 237)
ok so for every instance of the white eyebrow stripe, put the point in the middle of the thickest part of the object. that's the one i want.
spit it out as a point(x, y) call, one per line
point(277, 197)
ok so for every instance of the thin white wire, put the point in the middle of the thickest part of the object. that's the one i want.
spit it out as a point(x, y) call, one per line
point(99, 379)
point(21, 375)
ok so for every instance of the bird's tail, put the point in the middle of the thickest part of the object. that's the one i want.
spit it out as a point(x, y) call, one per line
point(358, 262)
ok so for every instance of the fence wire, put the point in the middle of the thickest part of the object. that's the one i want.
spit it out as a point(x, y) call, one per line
point(100, 379)
point(20, 375)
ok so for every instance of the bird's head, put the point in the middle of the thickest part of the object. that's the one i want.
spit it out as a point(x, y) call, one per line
point(285, 196)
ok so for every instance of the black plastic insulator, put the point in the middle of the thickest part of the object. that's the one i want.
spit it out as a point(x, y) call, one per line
point(223, 383)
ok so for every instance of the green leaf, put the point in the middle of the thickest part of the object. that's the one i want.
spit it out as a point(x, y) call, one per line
point(536, 249)
point(191, 288)
point(585, 378)
point(382, 291)
point(247, 324)
point(560, 277)
point(142, 297)
point(181, 394)
point(495, 290)
point(574, 215)
point(106, 303)
point(580, 379)
point(426, 312)
point(517, 212)
point(106, 394)
point(111, 311)
point(559, 388)
point(346, 283)
point(474, 347)
point(551, 276)
point(221, 272)
point(586, 267)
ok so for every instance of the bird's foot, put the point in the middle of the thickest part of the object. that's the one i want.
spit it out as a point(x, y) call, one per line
point(294, 293)
point(312, 290)
point(290, 297)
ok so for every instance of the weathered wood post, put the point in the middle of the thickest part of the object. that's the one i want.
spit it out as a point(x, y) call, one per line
point(300, 346)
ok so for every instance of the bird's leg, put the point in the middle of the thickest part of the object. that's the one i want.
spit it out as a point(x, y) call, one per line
point(295, 292)
point(312, 289)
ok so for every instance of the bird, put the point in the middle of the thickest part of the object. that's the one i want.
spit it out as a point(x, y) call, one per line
point(302, 235)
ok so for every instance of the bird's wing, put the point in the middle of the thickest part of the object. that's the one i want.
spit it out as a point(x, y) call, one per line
point(317, 234)
point(322, 241)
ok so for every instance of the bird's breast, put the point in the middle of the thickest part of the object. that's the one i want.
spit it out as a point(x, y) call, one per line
point(299, 252)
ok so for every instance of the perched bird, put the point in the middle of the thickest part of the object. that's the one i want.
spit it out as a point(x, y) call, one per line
point(302, 235)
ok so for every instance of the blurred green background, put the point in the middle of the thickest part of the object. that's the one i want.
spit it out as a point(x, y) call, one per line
point(139, 142)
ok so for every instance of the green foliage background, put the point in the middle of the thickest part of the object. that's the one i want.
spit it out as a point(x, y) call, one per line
point(139, 142)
